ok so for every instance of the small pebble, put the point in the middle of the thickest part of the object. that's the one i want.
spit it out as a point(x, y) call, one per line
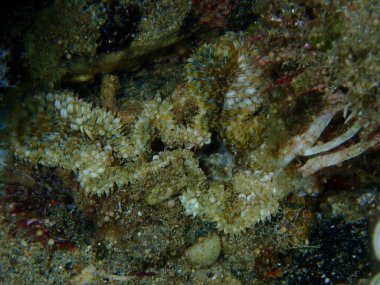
point(205, 252)
point(171, 203)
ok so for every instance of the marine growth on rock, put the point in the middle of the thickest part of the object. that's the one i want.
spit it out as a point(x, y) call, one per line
point(227, 89)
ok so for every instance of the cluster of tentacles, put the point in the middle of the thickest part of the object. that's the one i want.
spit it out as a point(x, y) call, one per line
point(226, 87)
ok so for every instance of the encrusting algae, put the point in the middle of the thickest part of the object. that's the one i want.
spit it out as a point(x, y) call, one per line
point(226, 89)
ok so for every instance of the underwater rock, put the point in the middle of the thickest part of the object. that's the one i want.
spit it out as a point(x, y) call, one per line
point(205, 252)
